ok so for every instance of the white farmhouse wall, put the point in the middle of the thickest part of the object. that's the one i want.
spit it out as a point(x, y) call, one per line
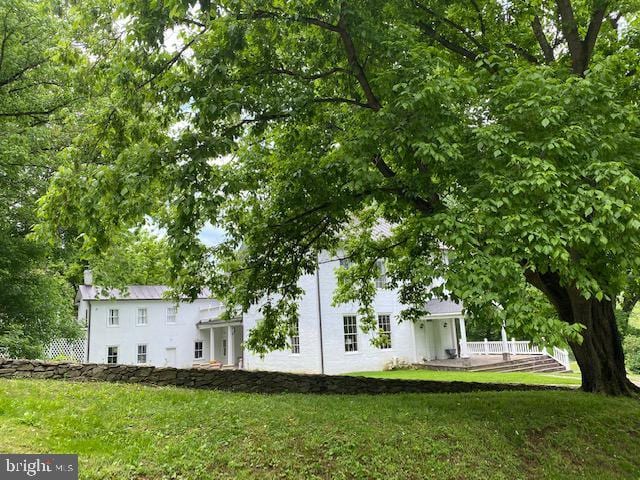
point(158, 335)
point(368, 357)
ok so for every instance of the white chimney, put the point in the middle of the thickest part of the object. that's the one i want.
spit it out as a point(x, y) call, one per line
point(88, 277)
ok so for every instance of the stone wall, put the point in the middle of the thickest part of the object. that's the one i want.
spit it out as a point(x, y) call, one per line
point(240, 380)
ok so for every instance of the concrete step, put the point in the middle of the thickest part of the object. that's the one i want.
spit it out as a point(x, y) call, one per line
point(540, 363)
point(514, 364)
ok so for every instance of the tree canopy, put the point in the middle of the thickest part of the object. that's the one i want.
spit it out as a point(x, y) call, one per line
point(507, 132)
point(36, 303)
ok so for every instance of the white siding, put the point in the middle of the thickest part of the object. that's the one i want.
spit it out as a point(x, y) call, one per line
point(336, 360)
point(157, 334)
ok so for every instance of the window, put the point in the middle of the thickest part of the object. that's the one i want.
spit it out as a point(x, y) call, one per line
point(381, 280)
point(141, 319)
point(295, 338)
point(113, 318)
point(224, 347)
point(112, 354)
point(384, 330)
point(171, 314)
point(142, 354)
point(197, 351)
point(350, 333)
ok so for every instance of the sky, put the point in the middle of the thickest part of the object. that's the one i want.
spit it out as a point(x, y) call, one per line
point(211, 235)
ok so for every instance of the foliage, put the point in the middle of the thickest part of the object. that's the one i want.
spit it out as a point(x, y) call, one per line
point(632, 352)
point(302, 127)
point(35, 99)
point(132, 258)
point(129, 431)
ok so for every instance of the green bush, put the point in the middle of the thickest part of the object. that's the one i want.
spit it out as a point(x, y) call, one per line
point(632, 353)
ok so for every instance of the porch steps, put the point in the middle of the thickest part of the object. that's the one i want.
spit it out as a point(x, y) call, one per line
point(538, 363)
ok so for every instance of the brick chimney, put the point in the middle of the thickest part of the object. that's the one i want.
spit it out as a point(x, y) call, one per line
point(88, 277)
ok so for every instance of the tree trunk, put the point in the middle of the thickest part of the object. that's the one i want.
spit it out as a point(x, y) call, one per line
point(600, 354)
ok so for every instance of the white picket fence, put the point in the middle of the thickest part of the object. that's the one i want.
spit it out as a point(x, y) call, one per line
point(516, 347)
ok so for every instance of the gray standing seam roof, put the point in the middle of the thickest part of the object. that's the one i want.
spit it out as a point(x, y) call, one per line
point(133, 292)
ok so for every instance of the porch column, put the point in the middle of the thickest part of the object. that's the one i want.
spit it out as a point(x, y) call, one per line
point(212, 345)
point(230, 353)
point(464, 351)
point(505, 344)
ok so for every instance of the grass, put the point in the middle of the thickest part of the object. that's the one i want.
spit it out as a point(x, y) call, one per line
point(137, 432)
point(558, 378)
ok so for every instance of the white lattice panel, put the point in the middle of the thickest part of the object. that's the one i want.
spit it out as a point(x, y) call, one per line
point(63, 348)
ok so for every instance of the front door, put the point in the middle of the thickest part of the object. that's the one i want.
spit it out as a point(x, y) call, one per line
point(170, 357)
point(430, 339)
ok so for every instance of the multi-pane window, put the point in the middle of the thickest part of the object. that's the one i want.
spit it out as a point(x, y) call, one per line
point(350, 324)
point(171, 314)
point(381, 280)
point(141, 318)
point(197, 351)
point(112, 354)
point(384, 329)
point(113, 317)
point(295, 338)
point(142, 354)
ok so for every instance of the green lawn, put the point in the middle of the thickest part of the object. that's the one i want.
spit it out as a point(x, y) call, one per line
point(485, 377)
point(135, 432)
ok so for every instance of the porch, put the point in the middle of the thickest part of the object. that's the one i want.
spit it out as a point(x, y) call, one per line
point(221, 340)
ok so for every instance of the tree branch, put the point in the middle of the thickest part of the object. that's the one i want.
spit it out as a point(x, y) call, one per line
point(538, 32)
point(21, 72)
point(480, 19)
point(350, 101)
point(358, 71)
point(455, 25)
point(171, 61)
point(315, 76)
point(523, 53)
point(580, 50)
point(448, 44)
point(590, 38)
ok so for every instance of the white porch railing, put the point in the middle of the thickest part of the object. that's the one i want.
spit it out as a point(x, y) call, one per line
point(516, 347)
point(562, 357)
point(212, 312)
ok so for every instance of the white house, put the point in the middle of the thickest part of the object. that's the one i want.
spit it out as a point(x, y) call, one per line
point(141, 326)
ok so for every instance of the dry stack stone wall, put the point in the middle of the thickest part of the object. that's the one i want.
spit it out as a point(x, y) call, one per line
point(240, 380)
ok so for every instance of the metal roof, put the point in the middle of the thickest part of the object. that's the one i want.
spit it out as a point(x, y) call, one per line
point(131, 292)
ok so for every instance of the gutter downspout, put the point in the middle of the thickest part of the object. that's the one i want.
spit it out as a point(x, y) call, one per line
point(320, 316)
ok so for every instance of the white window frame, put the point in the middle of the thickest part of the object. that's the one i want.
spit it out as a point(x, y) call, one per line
point(117, 347)
point(173, 309)
point(350, 332)
point(294, 338)
point(138, 354)
point(389, 344)
point(196, 350)
point(111, 317)
point(139, 317)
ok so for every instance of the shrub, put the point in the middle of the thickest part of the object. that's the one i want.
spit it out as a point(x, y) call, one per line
point(632, 353)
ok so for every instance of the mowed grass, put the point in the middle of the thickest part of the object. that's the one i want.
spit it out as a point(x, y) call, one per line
point(137, 432)
point(558, 378)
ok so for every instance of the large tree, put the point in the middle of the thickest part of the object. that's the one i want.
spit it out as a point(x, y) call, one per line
point(36, 303)
point(506, 131)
